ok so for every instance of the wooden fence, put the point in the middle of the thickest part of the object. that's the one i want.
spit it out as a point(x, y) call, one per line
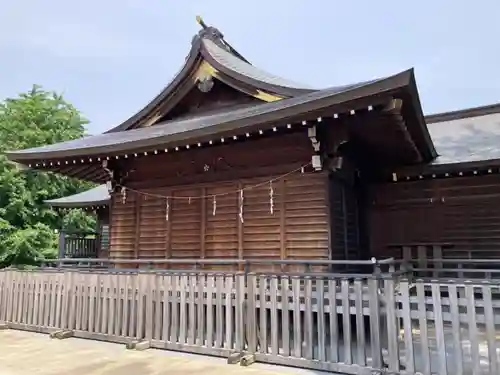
point(79, 245)
point(361, 325)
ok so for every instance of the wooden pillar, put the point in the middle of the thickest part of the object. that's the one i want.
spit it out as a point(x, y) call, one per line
point(422, 256)
point(137, 214)
point(62, 244)
point(283, 250)
point(168, 226)
point(437, 256)
point(241, 255)
point(108, 214)
point(203, 223)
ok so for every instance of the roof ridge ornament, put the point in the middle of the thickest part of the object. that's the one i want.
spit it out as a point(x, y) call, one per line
point(200, 22)
point(215, 35)
point(209, 32)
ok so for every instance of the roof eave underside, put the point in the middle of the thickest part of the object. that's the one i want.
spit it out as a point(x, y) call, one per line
point(320, 102)
point(457, 169)
point(421, 130)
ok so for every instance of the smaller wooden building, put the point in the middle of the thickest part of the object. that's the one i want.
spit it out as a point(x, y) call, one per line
point(231, 162)
point(83, 244)
point(451, 203)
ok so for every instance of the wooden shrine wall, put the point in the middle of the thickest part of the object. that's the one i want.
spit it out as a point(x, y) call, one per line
point(154, 227)
point(103, 231)
point(461, 211)
point(297, 228)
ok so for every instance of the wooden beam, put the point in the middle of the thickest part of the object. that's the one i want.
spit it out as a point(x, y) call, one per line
point(169, 103)
point(109, 216)
point(137, 212)
point(394, 108)
point(208, 179)
point(203, 223)
point(328, 199)
point(168, 225)
point(68, 170)
point(240, 232)
point(168, 240)
point(283, 250)
point(88, 171)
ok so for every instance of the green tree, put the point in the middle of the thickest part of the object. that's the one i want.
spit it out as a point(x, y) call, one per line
point(27, 225)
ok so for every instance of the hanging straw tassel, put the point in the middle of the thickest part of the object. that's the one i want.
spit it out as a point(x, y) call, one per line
point(124, 195)
point(241, 206)
point(271, 198)
point(167, 209)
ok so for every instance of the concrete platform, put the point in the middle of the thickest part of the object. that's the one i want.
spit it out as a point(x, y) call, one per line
point(26, 353)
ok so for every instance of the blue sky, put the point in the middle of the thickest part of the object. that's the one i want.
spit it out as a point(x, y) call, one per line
point(110, 57)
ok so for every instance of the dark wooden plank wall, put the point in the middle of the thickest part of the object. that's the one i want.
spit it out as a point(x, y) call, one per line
point(345, 220)
point(462, 211)
point(257, 156)
point(103, 230)
point(298, 228)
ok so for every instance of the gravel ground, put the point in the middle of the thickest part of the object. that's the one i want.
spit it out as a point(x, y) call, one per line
point(26, 353)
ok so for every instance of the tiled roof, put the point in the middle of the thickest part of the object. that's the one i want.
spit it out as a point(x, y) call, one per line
point(467, 139)
point(232, 120)
point(244, 68)
point(92, 197)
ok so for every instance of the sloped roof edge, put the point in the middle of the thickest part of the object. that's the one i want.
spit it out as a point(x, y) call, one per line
point(463, 113)
point(209, 125)
point(92, 197)
point(210, 45)
point(188, 66)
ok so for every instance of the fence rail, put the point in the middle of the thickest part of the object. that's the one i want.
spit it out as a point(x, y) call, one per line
point(354, 268)
point(343, 323)
point(445, 269)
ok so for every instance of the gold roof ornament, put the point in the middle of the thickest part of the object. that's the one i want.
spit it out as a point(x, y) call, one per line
point(201, 22)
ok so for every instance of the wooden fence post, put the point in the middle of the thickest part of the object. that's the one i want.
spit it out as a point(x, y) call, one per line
point(376, 331)
point(251, 318)
point(407, 326)
point(239, 312)
point(4, 294)
point(391, 324)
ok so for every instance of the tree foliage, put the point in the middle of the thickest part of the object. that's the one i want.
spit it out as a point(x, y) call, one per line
point(27, 225)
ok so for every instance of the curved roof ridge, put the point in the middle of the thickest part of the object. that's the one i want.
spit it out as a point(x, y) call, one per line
point(213, 33)
point(233, 63)
point(209, 44)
